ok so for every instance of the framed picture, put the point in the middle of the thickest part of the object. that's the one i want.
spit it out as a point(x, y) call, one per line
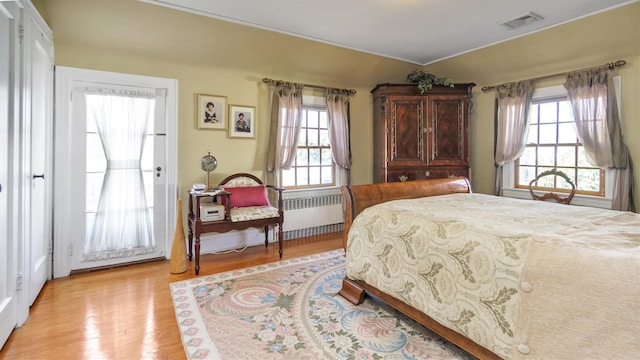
point(211, 112)
point(242, 121)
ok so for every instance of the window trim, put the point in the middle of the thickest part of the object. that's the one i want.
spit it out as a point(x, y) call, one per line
point(508, 170)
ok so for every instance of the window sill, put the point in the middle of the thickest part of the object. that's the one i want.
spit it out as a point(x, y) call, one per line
point(581, 200)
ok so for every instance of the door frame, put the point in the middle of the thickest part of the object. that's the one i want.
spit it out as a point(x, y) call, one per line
point(65, 79)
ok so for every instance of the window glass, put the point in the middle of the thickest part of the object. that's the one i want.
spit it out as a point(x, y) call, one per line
point(314, 175)
point(547, 133)
point(546, 156)
point(312, 119)
point(567, 133)
point(548, 113)
point(533, 135)
point(314, 156)
point(324, 138)
point(302, 157)
point(582, 158)
point(589, 179)
point(302, 137)
point(302, 176)
point(327, 175)
point(566, 156)
point(528, 156)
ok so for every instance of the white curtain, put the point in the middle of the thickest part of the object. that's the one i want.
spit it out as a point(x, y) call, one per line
point(338, 111)
point(595, 112)
point(284, 129)
point(122, 225)
point(513, 102)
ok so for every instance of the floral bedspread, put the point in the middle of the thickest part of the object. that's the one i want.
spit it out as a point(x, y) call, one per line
point(465, 260)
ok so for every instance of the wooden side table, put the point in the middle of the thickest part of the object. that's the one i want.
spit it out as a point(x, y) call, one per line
point(198, 227)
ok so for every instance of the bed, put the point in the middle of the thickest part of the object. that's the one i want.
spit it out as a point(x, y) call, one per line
point(501, 278)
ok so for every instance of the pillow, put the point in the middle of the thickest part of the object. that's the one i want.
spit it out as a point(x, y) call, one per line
point(242, 196)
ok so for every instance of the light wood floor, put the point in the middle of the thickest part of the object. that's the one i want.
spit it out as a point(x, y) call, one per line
point(127, 313)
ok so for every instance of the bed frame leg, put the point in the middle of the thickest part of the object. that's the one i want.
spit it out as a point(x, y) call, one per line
point(352, 291)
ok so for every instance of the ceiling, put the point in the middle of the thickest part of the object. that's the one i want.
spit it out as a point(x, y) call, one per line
point(417, 31)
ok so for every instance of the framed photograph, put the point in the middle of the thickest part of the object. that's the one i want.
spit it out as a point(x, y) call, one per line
point(211, 112)
point(242, 123)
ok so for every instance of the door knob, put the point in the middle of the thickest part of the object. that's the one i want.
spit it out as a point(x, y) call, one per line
point(41, 176)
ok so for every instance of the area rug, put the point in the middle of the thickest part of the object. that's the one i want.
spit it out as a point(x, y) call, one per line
point(291, 310)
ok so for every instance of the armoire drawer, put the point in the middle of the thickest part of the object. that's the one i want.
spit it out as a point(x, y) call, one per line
point(424, 173)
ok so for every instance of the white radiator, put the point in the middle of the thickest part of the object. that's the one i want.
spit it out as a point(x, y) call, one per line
point(312, 212)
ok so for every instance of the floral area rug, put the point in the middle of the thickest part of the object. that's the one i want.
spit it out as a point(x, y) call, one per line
point(291, 310)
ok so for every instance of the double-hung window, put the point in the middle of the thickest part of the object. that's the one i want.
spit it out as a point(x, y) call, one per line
point(313, 166)
point(552, 143)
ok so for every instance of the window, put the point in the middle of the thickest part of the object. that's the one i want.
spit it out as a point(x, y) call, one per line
point(313, 166)
point(552, 143)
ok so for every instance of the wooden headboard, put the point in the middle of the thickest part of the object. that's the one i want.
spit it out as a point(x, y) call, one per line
point(360, 197)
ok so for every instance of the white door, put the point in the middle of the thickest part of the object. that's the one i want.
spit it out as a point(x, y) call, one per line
point(8, 242)
point(97, 174)
point(40, 79)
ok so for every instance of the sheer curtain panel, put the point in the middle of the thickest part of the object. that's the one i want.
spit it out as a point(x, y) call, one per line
point(284, 129)
point(513, 102)
point(338, 110)
point(595, 112)
point(122, 225)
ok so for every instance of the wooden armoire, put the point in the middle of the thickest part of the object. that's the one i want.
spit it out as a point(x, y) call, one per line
point(420, 136)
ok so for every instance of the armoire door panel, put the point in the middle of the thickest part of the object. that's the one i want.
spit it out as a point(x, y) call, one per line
point(407, 144)
point(446, 143)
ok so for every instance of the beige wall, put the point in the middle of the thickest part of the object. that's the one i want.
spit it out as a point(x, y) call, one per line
point(591, 41)
point(214, 57)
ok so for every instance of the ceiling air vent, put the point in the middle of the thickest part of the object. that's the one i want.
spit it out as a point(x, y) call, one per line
point(522, 20)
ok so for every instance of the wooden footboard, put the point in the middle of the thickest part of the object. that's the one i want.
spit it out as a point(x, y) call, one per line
point(360, 197)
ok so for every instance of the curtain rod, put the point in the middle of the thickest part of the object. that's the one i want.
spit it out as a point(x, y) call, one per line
point(610, 65)
point(280, 82)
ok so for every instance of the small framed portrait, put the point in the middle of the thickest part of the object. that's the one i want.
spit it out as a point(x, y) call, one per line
point(242, 121)
point(211, 112)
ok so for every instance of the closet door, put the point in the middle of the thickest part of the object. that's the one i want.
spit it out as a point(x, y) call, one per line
point(8, 239)
point(38, 103)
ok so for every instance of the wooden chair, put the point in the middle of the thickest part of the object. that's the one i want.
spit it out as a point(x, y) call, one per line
point(552, 195)
point(246, 205)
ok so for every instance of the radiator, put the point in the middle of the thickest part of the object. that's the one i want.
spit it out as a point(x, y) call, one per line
point(312, 212)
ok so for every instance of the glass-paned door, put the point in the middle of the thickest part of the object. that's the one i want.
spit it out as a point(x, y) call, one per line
point(123, 160)
point(115, 168)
